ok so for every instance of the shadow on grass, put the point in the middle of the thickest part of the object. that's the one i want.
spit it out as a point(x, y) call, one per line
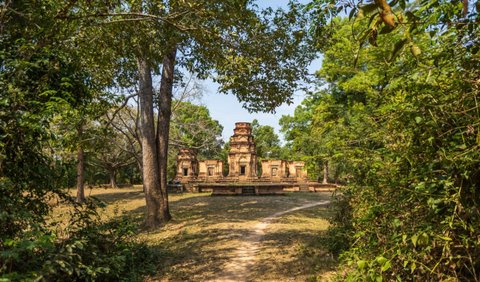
point(199, 241)
point(113, 197)
point(190, 256)
point(293, 255)
point(232, 209)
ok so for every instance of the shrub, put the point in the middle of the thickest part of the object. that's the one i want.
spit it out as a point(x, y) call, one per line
point(84, 250)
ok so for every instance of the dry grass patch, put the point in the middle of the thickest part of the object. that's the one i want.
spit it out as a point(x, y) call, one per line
point(292, 248)
point(206, 231)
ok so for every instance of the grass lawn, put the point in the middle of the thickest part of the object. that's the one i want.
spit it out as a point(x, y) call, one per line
point(206, 231)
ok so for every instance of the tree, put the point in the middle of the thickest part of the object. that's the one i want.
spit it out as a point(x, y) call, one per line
point(193, 127)
point(112, 153)
point(312, 135)
point(257, 55)
point(266, 141)
point(406, 125)
point(39, 73)
point(76, 130)
point(124, 122)
point(229, 60)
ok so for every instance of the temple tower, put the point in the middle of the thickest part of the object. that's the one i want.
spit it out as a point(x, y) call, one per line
point(187, 165)
point(242, 157)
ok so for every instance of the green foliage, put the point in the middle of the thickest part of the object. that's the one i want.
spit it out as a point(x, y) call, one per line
point(84, 250)
point(224, 157)
point(339, 236)
point(193, 127)
point(33, 78)
point(42, 76)
point(110, 154)
point(271, 52)
point(316, 134)
point(266, 141)
point(407, 130)
point(258, 55)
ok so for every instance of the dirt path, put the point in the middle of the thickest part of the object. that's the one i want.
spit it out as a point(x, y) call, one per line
point(244, 258)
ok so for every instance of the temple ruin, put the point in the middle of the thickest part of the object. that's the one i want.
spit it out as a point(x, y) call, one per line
point(243, 171)
point(242, 158)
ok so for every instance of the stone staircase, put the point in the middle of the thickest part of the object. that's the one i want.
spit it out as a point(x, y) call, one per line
point(248, 191)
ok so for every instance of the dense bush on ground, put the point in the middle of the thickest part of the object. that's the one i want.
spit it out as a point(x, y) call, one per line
point(78, 247)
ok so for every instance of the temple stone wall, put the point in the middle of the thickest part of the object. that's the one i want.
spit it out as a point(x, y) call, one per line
point(297, 170)
point(274, 170)
point(187, 165)
point(280, 170)
point(210, 170)
point(242, 161)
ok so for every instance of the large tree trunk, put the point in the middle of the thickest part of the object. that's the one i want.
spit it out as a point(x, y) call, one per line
point(80, 171)
point(150, 172)
point(163, 126)
point(113, 178)
point(325, 172)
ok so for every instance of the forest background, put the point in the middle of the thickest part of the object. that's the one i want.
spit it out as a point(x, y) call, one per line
point(396, 119)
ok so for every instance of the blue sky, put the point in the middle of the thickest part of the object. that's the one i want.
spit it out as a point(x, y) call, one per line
point(226, 108)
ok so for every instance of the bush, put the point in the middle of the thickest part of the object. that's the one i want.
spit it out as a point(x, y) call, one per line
point(85, 250)
point(339, 235)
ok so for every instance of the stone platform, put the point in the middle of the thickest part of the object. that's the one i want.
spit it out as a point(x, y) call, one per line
point(258, 188)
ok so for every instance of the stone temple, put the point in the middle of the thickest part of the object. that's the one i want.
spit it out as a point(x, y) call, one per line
point(243, 171)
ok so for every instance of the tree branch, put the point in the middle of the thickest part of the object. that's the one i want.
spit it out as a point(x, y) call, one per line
point(124, 104)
